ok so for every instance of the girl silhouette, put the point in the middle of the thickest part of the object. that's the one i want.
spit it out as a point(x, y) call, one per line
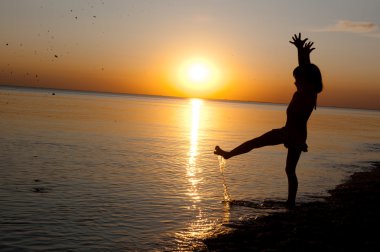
point(308, 81)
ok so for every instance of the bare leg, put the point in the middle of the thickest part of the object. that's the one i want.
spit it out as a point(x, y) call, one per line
point(272, 137)
point(291, 164)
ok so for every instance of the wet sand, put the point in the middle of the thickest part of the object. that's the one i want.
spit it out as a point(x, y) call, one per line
point(348, 220)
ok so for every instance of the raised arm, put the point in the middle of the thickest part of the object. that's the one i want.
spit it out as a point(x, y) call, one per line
point(304, 49)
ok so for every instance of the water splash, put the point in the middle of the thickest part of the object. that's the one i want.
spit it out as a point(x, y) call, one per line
point(226, 193)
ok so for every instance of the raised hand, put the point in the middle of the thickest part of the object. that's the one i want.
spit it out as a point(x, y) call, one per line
point(304, 49)
point(297, 41)
point(307, 47)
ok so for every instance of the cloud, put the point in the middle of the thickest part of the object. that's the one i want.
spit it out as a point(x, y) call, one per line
point(351, 26)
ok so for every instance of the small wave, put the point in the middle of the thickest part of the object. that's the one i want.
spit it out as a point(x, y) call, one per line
point(373, 147)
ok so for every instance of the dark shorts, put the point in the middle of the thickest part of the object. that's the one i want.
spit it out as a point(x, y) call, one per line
point(291, 139)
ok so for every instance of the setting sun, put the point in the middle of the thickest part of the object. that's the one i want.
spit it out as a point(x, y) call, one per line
point(198, 72)
point(198, 76)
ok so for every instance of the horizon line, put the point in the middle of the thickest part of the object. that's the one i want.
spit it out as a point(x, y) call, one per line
point(173, 96)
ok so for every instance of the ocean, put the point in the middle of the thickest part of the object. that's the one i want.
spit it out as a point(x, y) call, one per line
point(113, 172)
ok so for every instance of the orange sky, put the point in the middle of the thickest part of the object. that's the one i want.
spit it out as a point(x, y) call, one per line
point(139, 47)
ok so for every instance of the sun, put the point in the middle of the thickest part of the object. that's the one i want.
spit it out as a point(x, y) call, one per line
point(198, 73)
point(198, 77)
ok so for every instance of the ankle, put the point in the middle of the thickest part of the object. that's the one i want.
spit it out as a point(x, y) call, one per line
point(227, 155)
point(290, 204)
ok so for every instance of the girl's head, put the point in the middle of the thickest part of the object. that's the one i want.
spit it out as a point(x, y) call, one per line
point(308, 77)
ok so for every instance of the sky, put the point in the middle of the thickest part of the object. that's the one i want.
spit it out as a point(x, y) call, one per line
point(151, 47)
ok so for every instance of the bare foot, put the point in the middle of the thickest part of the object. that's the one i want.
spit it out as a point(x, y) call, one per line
point(220, 152)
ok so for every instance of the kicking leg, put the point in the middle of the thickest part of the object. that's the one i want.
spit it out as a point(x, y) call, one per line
point(272, 137)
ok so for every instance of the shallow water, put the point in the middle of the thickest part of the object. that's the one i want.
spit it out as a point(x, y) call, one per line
point(90, 171)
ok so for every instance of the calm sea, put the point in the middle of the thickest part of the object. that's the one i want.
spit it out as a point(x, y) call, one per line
point(90, 171)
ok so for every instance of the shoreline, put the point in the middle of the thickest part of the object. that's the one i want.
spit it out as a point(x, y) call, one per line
point(348, 220)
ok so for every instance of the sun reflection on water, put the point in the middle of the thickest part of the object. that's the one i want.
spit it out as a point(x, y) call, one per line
point(202, 224)
point(192, 169)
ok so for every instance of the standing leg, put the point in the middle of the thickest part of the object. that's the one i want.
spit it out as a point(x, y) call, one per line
point(272, 137)
point(291, 164)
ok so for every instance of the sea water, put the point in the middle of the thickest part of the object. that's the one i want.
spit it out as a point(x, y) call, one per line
point(93, 171)
point(226, 192)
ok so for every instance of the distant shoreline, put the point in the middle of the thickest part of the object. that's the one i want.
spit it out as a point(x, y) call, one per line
point(172, 97)
point(348, 220)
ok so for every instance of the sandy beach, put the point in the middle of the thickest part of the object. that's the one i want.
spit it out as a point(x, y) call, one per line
point(348, 220)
